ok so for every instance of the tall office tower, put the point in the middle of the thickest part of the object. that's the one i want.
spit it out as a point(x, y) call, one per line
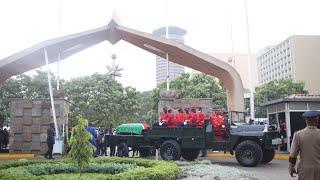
point(297, 57)
point(175, 70)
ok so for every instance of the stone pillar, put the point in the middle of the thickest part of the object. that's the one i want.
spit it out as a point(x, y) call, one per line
point(30, 120)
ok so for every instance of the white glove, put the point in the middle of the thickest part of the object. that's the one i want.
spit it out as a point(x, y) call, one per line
point(186, 122)
point(223, 126)
point(160, 123)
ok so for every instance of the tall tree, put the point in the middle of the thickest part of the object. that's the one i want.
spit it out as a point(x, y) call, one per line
point(186, 86)
point(274, 90)
point(24, 86)
point(102, 100)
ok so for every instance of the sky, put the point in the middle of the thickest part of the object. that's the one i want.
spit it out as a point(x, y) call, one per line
point(208, 22)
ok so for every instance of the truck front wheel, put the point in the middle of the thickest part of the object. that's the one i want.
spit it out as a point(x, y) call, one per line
point(123, 150)
point(170, 150)
point(190, 154)
point(268, 155)
point(249, 153)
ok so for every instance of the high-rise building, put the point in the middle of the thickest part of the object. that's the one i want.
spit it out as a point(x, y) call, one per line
point(175, 70)
point(297, 57)
point(240, 62)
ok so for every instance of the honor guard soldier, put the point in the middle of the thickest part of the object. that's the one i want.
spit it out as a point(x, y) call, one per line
point(306, 142)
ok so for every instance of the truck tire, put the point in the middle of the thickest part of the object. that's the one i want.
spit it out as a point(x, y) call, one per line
point(268, 155)
point(170, 150)
point(144, 151)
point(190, 154)
point(249, 153)
point(123, 150)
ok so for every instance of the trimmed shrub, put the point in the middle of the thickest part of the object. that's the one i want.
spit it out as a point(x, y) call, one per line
point(100, 168)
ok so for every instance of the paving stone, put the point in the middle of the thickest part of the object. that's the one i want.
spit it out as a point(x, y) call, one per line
point(36, 110)
point(27, 120)
point(17, 127)
point(43, 137)
point(27, 137)
point(26, 147)
point(16, 110)
point(27, 112)
point(45, 120)
point(35, 128)
point(27, 104)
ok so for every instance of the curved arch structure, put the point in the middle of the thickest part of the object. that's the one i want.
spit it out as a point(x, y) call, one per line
point(66, 46)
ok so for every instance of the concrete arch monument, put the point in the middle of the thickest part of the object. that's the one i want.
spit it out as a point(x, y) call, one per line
point(66, 46)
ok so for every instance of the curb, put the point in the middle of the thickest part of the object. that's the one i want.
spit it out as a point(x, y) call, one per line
point(221, 155)
point(16, 156)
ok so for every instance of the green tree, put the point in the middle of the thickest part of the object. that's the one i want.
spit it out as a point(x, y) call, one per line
point(187, 86)
point(81, 149)
point(24, 86)
point(199, 86)
point(274, 90)
point(147, 111)
point(102, 100)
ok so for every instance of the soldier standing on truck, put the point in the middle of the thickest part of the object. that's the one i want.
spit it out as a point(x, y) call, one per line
point(170, 118)
point(179, 118)
point(163, 120)
point(200, 117)
point(307, 143)
point(193, 117)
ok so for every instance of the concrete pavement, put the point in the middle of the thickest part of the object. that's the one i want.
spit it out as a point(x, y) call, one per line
point(275, 170)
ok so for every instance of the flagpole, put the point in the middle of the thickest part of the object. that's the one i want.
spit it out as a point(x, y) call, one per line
point(249, 64)
point(167, 55)
point(59, 55)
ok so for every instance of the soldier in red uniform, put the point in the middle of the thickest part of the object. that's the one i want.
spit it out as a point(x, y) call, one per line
point(180, 117)
point(200, 117)
point(193, 117)
point(217, 121)
point(186, 118)
point(170, 118)
point(163, 120)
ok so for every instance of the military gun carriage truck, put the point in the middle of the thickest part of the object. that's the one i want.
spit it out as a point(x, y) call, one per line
point(251, 143)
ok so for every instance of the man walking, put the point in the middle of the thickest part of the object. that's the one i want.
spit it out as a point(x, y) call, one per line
point(50, 141)
point(307, 143)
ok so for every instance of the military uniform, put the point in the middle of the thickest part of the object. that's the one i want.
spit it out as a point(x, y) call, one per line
point(306, 142)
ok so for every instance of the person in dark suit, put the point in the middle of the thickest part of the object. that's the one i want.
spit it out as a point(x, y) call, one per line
point(50, 141)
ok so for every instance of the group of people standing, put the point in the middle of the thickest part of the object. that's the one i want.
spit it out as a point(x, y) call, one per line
point(184, 117)
point(98, 140)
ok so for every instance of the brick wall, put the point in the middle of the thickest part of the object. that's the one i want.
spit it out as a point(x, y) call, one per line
point(30, 120)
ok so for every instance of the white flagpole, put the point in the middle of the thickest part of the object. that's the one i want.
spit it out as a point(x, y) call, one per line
point(59, 55)
point(167, 55)
point(51, 94)
point(249, 65)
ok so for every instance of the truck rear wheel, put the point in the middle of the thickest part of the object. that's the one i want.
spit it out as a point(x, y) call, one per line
point(190, 154)
point(249, 153)
point(170, 150)
point(123, 150)
point(268, 155)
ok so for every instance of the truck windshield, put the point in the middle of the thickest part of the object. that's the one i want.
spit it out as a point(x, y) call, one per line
point(236, 116)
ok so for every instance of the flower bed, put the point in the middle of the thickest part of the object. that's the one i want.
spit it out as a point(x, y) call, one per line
point(100, 168)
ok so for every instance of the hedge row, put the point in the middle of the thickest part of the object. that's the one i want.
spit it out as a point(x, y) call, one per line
point(103, 168)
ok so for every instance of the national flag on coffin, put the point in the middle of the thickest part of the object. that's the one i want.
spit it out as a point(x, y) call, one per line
point(132, 128)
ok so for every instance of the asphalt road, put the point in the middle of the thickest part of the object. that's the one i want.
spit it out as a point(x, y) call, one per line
point(275, 170)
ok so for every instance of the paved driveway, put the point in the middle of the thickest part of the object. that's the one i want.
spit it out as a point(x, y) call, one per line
point(275, 170)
